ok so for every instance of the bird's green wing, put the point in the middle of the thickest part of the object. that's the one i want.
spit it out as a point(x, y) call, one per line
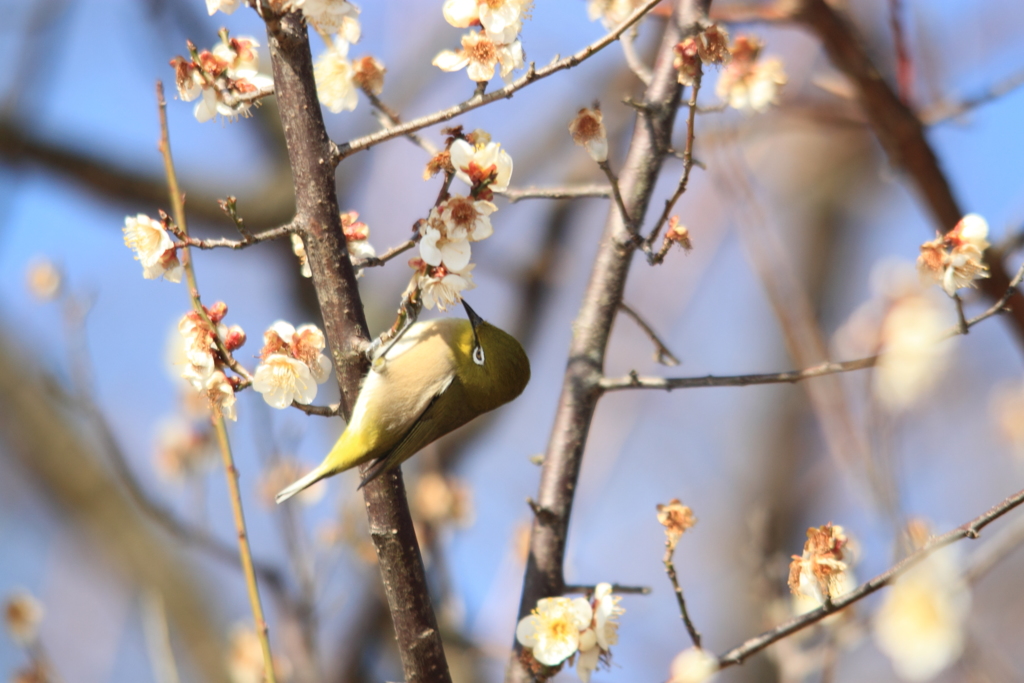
point(447, 411)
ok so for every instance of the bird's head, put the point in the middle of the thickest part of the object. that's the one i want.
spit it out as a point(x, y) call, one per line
point(499, 368)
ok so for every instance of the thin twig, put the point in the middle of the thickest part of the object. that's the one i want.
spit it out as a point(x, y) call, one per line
point(391, 253)
point(684, 180)
point(224, 243)
point(971, 529)
point(670, 569)
point(633, 60)
point(1006, 541)
point(946, 111)
point(515, 194)
point(245, 552)
point(616, 588)
point(961, 319)
point(532, 74)
point(661, 353)
point(614, 182)
point(635, 381)
point(389, 118)
point(325, 411)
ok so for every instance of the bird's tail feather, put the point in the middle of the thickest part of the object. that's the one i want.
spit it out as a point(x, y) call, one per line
point(303, 483)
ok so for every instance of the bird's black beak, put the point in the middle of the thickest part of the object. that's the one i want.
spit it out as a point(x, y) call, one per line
point(474, 319)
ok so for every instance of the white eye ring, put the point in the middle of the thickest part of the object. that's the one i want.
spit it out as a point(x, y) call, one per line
point(478, 355)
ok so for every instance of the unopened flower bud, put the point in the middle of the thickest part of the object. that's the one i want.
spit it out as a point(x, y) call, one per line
point(687, 61)
point(235, 338)
point(368, 74)
point(713, 45)
point(217, 311)
point(678, 233)
point(588, 130)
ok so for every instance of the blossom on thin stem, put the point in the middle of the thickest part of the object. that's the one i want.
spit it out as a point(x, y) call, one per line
point(954, 260)
point(587, 129)
point(818, 572)
point(153, 247)
point(748, 83)
point(677, 520)
point(677, 234)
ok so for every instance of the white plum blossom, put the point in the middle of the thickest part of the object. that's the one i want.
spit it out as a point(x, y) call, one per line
point(693, 665)
point(334, 79)
point(199, 348)
point(748, 83)
point(305, 344)
point(611, 12)
point(501, 19)
point(920, 624)
point(603, 632)
point(22, 615)
point(480, 55)
point(226, 79)
point(475, 163)
point(443, 288)
point(332, 16)
point(225, 6)
point(552, 632)
point(913, 357)
point(153, 248)
point(436, 249)
point(221, 395)
point(282, 379)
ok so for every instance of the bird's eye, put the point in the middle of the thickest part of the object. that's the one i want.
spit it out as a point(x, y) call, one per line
point(478, 355)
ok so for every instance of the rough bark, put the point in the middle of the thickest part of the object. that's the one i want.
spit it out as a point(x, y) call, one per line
point(310, 152)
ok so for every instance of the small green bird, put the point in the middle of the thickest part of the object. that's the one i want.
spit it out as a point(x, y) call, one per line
point(438, 376)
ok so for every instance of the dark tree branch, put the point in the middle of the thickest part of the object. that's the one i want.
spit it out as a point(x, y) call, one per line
point(581, 389)
point(901, 135)
point(971, 530)
point(310, 154)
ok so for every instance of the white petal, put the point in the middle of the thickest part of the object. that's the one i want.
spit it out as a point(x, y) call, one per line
point(480, 72)
point(526, 631)
point(460, 13)
point(451, 61)
point(428, 248)
point(455, 255)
